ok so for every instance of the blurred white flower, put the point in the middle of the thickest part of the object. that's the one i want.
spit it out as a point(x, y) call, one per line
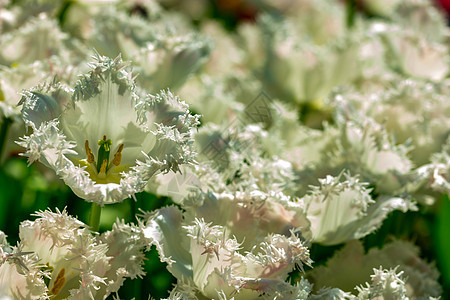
point(412, 111)
point(363, 148)
point(410, 53)
point(8, 16)
point(32, 8)
point(410, 42)
point(418, 57)
point(126, 244)
point(341, 209)
point(168, 60)
point(250, 40)
point(229, 160)
point(59, 258)
point(226, 56)
point(210, 260)
point(38, 39)
point(423, 17)
point(385, 284)
point(81, 17)
point(164, 53)
point(21, 275)
point(249, 216)
point(306, 54)
point(418, 279)
point(132, 137)
point(113, 31)
point(381, 7)
point(25, 76)
point(436, 174)
point(68, 252)
point(20, 77)
point(199, 91)
point(320, 20)
point(12, 81)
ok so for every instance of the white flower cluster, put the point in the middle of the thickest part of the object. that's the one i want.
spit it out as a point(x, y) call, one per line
point(59, 258)
point(314, 125)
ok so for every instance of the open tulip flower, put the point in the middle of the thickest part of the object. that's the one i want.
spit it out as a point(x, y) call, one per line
point(102, 138)
point(57, 257)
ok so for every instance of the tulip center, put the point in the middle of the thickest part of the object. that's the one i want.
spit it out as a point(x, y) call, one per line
point(102, 170)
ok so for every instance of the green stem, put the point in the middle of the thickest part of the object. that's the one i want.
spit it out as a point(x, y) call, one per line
point(94, 219)
point(4, 134)
point(351, 11)
point(137, 289)
point(133, 208)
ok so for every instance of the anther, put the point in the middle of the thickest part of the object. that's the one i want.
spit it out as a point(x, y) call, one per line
point(59, 282)
point(89, 154)
point(118, 156)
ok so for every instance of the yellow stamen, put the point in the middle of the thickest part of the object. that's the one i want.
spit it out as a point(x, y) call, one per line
point(103, 167)
point(89, 154)
point(59, 282)
point(118, 156)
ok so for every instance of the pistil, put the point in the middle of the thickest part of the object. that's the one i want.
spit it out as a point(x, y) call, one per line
point(103, 155)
